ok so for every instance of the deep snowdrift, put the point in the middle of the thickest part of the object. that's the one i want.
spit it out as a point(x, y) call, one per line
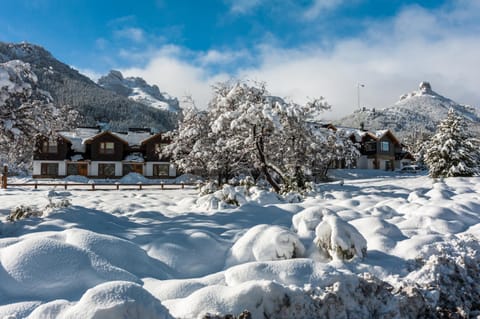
point(412, 248)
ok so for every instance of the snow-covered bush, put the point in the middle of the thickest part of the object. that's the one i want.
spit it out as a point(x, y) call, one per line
point(449, 273)
point(452, 151)
point(56, 204)
point(338, 239)
point(27, 211)
point(265, 242)
point(207, 188)
point(22, 212)
point(305, 222)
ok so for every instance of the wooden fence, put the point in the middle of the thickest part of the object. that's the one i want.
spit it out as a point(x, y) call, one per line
point(92, 185)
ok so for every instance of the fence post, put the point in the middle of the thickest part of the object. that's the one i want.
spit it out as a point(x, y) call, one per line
point(36, 185)
point(65, 185)
point(162, 184)
point(140, 185)
point(183, 185)
point(4, 176)
point(118, 185)
point(93, 186)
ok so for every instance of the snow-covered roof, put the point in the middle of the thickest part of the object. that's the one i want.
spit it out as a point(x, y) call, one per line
point(78, 137)
point(357, 133)
point(133, 138)
point(380, 133)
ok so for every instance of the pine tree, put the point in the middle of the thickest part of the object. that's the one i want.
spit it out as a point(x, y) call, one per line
point(452, 151)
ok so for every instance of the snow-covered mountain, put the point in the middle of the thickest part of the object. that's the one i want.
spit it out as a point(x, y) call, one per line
point(96, 104)
point(137, 89)
point(420, 110)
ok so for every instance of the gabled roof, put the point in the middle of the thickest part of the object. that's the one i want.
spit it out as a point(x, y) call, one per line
point(151, 138)
point(382, 133)
point(78, 137)
point(82, 136)
point(134, 138)
point(90, 140)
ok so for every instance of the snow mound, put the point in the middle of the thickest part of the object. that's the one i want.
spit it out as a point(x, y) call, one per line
point(134, 178)
point(118, 252)
point(111, 300)
point(305, 222)
point(339, 239)
point(265, 242)
point(232, 196)
point(190, 253)
point(46, 268)
point(264, 299)
point(76, 179)
point(350, 296)
point(289, 272)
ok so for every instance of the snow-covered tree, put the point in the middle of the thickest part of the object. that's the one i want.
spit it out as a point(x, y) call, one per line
point(247, 130)
point(417, 144)
point(452, 151)
point(25, 110)
point(272, 132)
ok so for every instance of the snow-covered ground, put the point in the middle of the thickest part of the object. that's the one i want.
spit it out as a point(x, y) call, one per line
point(168, 253)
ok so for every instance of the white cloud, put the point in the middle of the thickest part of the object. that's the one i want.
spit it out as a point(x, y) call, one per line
point(176, 77)
point(390, 58)
point(132, 34)
point(320, 6)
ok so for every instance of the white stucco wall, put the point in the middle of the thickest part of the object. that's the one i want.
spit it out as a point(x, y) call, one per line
point(37, 167)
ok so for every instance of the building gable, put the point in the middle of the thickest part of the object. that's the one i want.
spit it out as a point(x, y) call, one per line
point(106, 147)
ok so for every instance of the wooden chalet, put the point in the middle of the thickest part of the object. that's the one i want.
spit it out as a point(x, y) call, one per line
point(101, 154)
point(378, 149)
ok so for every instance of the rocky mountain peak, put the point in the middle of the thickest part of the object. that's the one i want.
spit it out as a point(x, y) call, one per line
point(137, 89)
point(425, 87)
point(419, 110)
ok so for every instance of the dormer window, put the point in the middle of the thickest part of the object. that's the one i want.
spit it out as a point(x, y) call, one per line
point(385, 146)
point(107, 148)
point(50, 147)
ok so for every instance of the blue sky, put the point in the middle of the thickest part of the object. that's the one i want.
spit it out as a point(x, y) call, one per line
point(302, 49)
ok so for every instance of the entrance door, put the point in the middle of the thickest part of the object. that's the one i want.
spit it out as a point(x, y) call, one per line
point(138, 168)
point(82, 169)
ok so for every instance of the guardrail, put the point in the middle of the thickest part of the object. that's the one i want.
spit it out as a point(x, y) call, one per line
point(101, 186)
point(91, 185)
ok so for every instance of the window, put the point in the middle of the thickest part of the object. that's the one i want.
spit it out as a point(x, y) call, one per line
point(49, 169)
point(106, 170)
point(77, 169)
point(132, 168)
point(160, 169)
point(50, 147)
point(107, 148)
point(370, 146)
point(385, 146)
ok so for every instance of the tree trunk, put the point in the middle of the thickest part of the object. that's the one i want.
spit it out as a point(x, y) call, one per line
point(260, 148)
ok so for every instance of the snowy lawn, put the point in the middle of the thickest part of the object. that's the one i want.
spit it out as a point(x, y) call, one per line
point(410, 243)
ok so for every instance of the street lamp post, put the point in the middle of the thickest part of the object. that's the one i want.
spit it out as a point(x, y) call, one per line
point(358, 93)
